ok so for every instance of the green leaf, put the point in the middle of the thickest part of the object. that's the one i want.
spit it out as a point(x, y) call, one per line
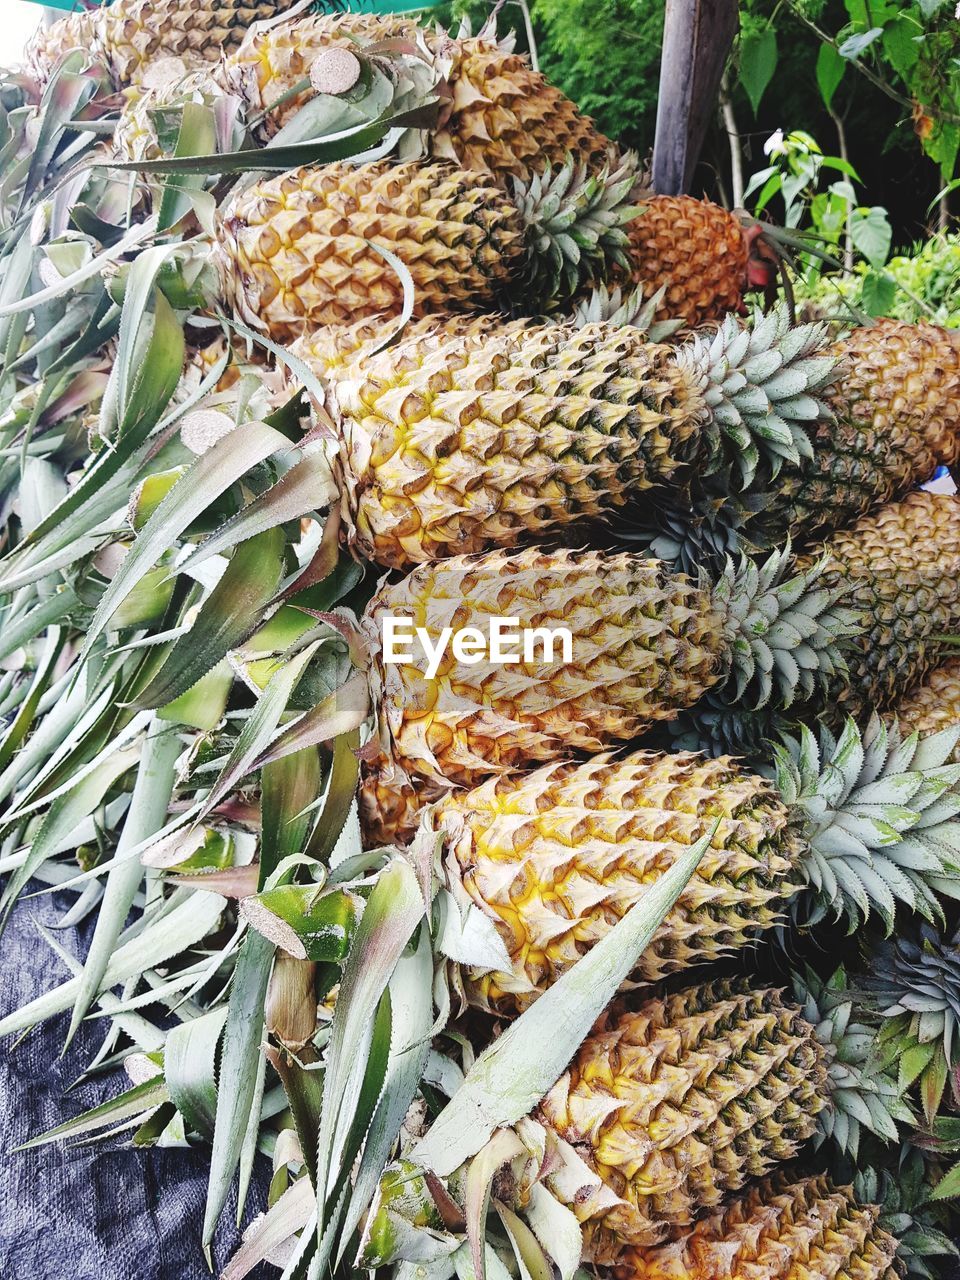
point(146, 815)
point(878, 293)
point(289, 786)
point(204, 703)
point(511, 1076)
point(393, 912)
point(412, 1007)
point(197, 137)
point(20, 724)
point(830, 71)
point(290, 1214)
point(900, 45)
point(871, 233)
point(339, 146)
point(238, 1067)
point(63, 815)
point(212, 473)
point(341, 789)
point(259, 728)
point(340, 712)
point(144, 1097)
point(949, 1185)
point(758, 61)
point(232, 611)
point(308, 922)
point(304, 488)
point(189, 1057)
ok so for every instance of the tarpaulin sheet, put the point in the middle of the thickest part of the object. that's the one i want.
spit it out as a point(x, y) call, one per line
point(101, 1212)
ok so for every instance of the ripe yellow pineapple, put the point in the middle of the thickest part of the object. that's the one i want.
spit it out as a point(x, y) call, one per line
point(555, 857)
point(667, 1108)
point(777, 1230)
point(903, 565)
point(683, 1100)
point(935, 704)
point(297, 251)
point(504, 117)
point(129, 34)
point(456, 442)
point(894, 416)
point(497, 115)
point(644, 643)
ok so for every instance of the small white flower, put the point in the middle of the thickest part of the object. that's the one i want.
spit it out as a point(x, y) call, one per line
point(774, 145)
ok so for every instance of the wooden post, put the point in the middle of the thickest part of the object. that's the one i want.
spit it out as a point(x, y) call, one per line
point(697, 36)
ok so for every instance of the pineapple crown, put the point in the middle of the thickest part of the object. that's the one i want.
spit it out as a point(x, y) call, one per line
point(914, 987)
point(903, 1198)
point(880, 818)
point(615, 307)
point(758, 382)
point(576, 228)
point(784, 633)
point(863, 1094)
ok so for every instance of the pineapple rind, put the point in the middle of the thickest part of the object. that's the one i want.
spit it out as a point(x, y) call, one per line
point(683, 1101)
point(901, 565)
point(453, 442)
point(934, 705)
point(894, 416)
point(497, 115)
point(644, 644)
point(777, 1230)
point(556, 857)
point(294, 251)
point(129, 35)
point(694, 249)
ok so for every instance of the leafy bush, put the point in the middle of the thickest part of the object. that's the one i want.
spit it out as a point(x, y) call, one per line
point(924, 284)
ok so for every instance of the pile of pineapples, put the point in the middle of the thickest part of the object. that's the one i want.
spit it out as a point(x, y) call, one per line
point(637, 961)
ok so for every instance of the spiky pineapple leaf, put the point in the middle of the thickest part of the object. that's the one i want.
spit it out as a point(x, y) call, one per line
point(512, 1075)
point(239, 1064)
point(133, 1103)
point(211, 474)
point(189, 1068)
point(176, 928)
point(393, 912)
point(232, 612)
point(147, 813)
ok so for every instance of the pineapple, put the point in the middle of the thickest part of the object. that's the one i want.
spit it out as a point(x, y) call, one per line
point(935, 704)
point(777, 1230)
point(683, 1100)
point(701, 254)
point(902, 564)
point(296, 251)
point(456, 443)
point(497, 115)
point(274, 59)
point(666, 1109)
point(643, 644)
point(899, 572)
point(556, 857)
point(128, 35)
point(892, 415)
point(895, 415)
